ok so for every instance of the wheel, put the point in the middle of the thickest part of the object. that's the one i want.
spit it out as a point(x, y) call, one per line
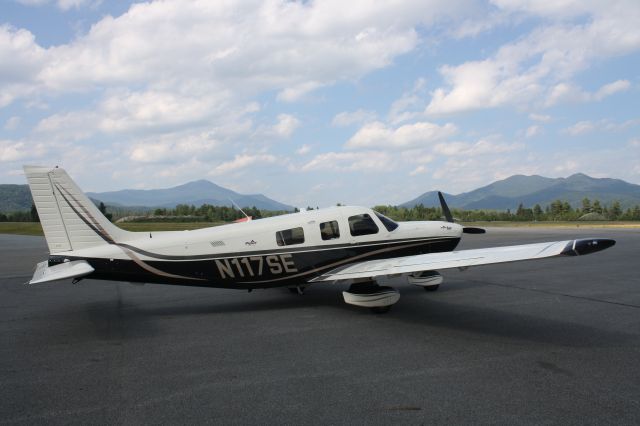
point(431, 287)
point(381, 309)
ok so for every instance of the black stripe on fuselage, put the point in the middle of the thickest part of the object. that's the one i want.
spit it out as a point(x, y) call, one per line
point(287, 249)
point(260, 269)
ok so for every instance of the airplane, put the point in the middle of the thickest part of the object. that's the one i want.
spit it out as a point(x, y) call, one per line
point(344, 244)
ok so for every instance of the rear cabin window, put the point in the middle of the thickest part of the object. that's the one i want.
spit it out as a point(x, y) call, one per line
point(362, 224)
point(289, 237)
point(329, 230)
point(388, 223)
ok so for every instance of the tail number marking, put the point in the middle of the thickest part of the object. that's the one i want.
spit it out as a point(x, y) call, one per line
point(254, 266)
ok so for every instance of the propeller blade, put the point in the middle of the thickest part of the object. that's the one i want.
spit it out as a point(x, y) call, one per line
point(472, 230)
point(445, 208)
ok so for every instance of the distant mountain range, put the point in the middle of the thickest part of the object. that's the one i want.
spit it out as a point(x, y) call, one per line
point(500, 195)
point(197, 193)
point(14, 198)
point(18, 197)
point(532, 190)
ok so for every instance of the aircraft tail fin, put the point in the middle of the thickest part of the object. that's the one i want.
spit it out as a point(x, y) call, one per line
point(70, 220)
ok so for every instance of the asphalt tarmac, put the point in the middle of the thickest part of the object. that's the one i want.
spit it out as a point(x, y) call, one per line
point(547, 342)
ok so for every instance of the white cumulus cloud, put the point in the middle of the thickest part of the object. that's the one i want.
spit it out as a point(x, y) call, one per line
point(532, 131)
point(418, 171)
point(544, 62)
point(364, 161)
point(242, 161)
point(304, 149)
point(612, 88)
point(543, 118)
point(379, 135)
point(11, 151)
point(286, 125)
point(482, 147)
point(580, 128)
point(12, 123)
point(348, 118)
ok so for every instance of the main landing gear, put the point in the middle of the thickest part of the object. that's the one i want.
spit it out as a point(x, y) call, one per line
point(428, 280)
point(369, 294)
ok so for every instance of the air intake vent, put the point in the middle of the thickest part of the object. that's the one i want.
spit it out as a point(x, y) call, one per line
point(217, 243)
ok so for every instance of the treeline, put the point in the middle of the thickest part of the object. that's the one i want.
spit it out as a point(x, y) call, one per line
point(32, 214)
point(209, 213)
point(181, 213)
point(556, 211)
point(21, 216)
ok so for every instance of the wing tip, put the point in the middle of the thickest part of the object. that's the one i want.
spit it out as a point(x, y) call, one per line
point(587, 246)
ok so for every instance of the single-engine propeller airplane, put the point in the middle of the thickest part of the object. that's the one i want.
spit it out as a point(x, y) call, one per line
point(355, 245)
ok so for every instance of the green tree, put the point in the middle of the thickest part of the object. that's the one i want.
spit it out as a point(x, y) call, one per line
point(103, 210)
point(555, 210)
point(34, 213)
point(537, 212)
point(597, 208)
point(616, 211)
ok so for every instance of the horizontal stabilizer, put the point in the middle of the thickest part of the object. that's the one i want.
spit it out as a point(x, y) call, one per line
point(465, 258)
point(74, 269)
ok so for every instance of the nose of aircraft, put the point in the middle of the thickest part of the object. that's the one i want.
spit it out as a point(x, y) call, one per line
point(430, 229)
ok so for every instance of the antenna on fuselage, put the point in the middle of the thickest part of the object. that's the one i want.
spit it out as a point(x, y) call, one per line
point(242, 211)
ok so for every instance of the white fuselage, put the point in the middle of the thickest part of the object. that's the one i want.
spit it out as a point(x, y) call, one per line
point(252, 253)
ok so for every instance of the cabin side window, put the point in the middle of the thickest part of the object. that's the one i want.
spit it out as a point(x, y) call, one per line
point(362, 224)
point(329, 230)
point(290, 237)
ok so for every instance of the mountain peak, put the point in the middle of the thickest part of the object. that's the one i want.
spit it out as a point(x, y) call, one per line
point(196, 192)
point(200, 183)
point(579, 176)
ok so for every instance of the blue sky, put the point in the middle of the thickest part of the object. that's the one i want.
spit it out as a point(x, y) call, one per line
point(314, 103)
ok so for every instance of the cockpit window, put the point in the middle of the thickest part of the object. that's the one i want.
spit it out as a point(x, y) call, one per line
point(388, 223)
point(362, 224)
point(289, 237)
point(329, 230)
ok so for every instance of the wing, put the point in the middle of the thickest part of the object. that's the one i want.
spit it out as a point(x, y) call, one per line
point(465, 258)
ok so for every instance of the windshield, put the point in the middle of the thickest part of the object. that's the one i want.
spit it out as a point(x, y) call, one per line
point(388, 223)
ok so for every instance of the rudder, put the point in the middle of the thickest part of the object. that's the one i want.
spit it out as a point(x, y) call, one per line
point(70, 220)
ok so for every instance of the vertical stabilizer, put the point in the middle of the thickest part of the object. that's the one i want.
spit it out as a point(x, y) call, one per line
point(70, 220)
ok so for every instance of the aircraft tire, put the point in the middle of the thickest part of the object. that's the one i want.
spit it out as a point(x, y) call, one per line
point(431, 287)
